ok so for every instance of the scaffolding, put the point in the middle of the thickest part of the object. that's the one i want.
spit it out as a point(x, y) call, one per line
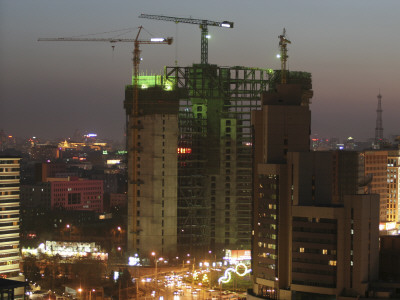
point(215, 120)
point(214, 196)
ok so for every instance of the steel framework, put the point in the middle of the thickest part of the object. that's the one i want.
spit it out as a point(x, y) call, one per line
point(227, 94)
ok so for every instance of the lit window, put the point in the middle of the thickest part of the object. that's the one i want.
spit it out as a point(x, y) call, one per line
point(332, 262)
point(324, 251)
point(301, 250)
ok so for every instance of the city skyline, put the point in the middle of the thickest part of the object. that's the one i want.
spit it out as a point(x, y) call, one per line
point(51, 89)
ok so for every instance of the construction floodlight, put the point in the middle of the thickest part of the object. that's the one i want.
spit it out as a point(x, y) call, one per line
point(227, 24)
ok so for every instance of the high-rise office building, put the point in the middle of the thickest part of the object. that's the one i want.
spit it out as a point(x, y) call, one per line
point(9, 216)
point(393, 182)
point(312, 233)
point(376, 171)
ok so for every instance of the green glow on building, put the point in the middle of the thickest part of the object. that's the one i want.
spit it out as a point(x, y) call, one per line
point(149, 81)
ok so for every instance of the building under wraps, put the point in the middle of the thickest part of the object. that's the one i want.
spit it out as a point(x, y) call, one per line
point(192, 157)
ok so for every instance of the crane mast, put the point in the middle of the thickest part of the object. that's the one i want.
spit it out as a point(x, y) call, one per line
point(132, 124)
point(283, 41)
point(203, 24)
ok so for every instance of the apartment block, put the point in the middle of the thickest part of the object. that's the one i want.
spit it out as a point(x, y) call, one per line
point(9, 217)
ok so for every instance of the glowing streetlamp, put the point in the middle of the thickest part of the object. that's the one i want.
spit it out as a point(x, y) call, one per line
point(156, 260)
point(90, 293)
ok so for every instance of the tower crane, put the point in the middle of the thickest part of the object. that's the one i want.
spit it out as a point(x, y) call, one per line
point(203, 24)
point(136, 41)
point(283, 41)
point(132, 122)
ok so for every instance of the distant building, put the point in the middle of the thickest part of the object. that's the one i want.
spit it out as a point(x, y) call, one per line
point(49, 169)
point(393, 185)
point(44, 153)
point(36, 195)
point(76, 194)
point(375, 164)
point(118, 200)
point(9, 216)
point(389, 267)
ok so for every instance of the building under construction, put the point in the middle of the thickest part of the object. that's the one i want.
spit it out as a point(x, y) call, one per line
point(194, 178)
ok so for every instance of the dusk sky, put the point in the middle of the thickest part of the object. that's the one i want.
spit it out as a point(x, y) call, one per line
point(50, 89)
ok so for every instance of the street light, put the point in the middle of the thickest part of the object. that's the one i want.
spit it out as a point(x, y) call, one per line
point(90, 293)
point(156, 263)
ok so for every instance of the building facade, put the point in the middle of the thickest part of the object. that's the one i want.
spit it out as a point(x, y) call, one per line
point(393, 182)
point(313, 234)
point(376, 169)
point(76, 194)
point(9, 217)
point(152, 172)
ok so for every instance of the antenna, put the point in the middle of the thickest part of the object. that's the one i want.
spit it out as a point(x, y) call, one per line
point(379, 128)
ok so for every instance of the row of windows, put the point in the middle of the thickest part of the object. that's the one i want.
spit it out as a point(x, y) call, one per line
point(138, 213)
point(317, 251)
point(138, 242)
point(5, 209)
point(314, 283)
point(69, 189)
point(9, 247)
point(315, 271)
point(315, 230)
point(9, 185)
point(9, 263)
point(9, 177)
point(268, 255)
point(4, 193)
point(8, 162)
point(227, 220)
point(267, 266)
point(315, 240)
point(9, 170)
point(315, 220)
point(325, 262)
